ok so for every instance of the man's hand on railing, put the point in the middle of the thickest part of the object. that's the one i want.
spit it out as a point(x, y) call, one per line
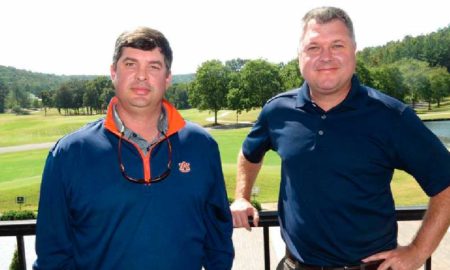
point(242, 209)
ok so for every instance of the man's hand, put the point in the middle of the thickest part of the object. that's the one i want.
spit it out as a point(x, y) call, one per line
point(401, 258)
point(241, 209)
point(434, 226)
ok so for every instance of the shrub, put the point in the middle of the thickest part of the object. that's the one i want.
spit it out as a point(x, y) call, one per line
point(255, 203)
point(18, 215)
point(15, 261)
point(19, 111)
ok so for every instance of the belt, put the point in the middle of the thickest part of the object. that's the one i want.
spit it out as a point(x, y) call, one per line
point(301, 266)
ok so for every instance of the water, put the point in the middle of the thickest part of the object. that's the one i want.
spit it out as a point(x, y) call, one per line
point(441, 129)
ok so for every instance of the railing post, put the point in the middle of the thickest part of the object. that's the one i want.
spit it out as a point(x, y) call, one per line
point(266, 248)
point(21, 252)
point(428, 264)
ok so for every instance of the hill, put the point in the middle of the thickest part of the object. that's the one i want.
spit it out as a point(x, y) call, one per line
point(35, 82)
point(183, 78)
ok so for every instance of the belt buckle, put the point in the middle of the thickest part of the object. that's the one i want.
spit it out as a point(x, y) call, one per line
point(291, 263)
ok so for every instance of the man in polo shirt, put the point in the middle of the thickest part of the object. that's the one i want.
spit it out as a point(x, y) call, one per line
point(339, 143)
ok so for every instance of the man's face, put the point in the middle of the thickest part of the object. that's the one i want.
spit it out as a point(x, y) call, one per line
point(140, 78)
point(327, 57)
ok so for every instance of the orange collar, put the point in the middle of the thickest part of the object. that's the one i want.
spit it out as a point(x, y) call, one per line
point(174, 118)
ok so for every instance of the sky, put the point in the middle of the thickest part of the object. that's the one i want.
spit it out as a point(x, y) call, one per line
point(76, 37)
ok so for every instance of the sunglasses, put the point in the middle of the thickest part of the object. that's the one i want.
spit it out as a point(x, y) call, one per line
point(150, 180)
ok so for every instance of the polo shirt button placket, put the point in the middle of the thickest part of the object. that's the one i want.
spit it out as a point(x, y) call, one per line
point(321, 131)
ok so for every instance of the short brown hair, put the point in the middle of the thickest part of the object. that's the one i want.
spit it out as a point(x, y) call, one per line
point(327, 14)
point(146, 39)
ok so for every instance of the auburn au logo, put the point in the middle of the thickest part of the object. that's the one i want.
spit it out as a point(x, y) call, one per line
point(184, 167)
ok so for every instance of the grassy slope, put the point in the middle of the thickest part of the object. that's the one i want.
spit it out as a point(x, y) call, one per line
point(21, 176)
point(37, 128)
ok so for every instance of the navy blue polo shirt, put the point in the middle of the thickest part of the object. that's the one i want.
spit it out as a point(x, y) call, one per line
point(335, 203)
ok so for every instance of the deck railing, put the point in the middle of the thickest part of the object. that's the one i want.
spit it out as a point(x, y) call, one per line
point(19, 228)
point(268, 219)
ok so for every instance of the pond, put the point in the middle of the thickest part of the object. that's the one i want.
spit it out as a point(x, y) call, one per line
point(441, 129)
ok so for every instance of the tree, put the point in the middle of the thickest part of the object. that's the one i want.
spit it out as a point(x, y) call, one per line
point(3, 95)
point(439, 83)
point(70, 95)
point(236, 101)
point(236, 64)
point(363, 73)
point(432, 48)
point(106, 96)
point(78, 88)
point(415, 75)
point(18, 97)
point(260, 80)
point(389, 80)
point(210, 87)
point(47, 102)
point(290, 75)
point(177, 94)
point(92, 98)
point(424, 89)
point(63, 99)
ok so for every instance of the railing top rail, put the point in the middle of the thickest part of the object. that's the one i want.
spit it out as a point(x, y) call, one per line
point(404, 213)
point(17, 227)
point(267, 219)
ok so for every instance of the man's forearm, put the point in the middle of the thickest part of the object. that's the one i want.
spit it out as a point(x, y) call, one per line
point(245, 177)
point(435, 224)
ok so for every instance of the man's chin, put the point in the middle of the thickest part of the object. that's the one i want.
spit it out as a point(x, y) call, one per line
point(141, 102)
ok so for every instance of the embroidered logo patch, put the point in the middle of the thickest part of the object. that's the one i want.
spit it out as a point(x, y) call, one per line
point(184, 167)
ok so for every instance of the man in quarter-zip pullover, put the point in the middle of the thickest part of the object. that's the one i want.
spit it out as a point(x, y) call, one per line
point(139, 189)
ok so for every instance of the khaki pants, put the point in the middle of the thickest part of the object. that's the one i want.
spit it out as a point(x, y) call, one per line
point(285, 264)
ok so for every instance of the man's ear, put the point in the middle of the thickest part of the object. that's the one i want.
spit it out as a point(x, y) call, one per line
point(112, 71)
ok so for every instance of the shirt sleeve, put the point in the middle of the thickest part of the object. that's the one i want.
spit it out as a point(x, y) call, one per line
point(257, 142)
point(53, 234)
point(219, 251)
point(421, 153)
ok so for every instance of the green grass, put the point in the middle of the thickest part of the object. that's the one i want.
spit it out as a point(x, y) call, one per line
point(21, 176)
point(268, 181)
point(441, 112)
point(406, 190)
point(20, 173)
point(37, 128)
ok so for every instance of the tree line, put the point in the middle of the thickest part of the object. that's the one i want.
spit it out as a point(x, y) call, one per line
point(412, 70)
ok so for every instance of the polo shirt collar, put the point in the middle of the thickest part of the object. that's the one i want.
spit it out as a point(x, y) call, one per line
point(162, 123)
point(353, 100)
point(175, 121)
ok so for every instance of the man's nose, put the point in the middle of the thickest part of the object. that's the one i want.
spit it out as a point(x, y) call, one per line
point(326, 54)
point(141, 74)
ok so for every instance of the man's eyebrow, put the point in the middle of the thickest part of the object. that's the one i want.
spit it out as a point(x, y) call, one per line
point(152, 62)
point(155, 62)
point(129, 59)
